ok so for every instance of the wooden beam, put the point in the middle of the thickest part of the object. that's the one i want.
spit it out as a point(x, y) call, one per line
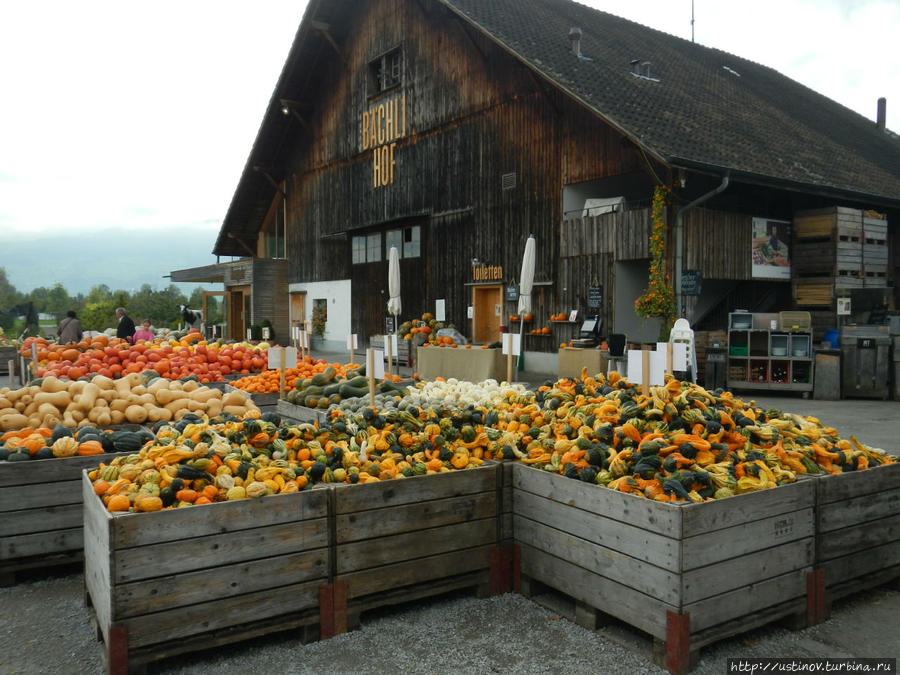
point(324, 29)
point(233, 236)
point(268, 176)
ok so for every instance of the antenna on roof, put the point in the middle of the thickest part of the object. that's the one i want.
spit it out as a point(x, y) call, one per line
point(692, 20)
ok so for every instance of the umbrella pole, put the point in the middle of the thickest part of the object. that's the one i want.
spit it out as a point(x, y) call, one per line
point(521, 344)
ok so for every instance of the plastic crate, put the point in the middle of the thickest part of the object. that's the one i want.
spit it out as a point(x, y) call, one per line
point(738, 350)
point(794, 321)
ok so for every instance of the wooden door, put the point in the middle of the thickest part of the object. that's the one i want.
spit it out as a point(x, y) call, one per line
point(298, 309)
point(236, 318)
point(487, 306)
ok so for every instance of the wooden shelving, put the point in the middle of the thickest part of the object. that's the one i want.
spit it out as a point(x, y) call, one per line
point(763, 357)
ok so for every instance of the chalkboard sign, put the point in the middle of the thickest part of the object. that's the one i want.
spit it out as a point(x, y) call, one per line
point(388, 325)
point(595, 297)
point(512, 293)
point(691, 281)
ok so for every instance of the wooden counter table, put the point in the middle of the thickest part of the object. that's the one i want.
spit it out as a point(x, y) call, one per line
point(473, 365)
point(572, 360)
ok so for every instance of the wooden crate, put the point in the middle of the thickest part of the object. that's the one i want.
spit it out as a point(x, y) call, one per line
point(300, 412)
point(686, 574)
point(41, 513)
point(825, 258)
point(263, 401)
point(838, 222)
point(403, 347)
point(858, 529)
point(7, 354)
point(174, 581)
point(408, 539)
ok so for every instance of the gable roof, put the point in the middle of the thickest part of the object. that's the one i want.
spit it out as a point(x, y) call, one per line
point(704, 108)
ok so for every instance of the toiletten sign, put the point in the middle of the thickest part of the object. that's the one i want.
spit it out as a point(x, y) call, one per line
point(382, 125)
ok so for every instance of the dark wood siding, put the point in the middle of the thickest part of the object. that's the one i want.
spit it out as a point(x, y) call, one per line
point(269, 277)
point(718, 244)
point(473, 115)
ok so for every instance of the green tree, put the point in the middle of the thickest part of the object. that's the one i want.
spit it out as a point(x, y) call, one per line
point(55, 300)
point(99, 293)
point(98, 315)
point(9, 298)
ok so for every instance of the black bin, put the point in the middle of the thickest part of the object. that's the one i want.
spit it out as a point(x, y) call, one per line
point(714, 374)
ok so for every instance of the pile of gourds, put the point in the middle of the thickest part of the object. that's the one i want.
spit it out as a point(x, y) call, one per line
point(332, 387)
point(135, 398)
point(198, 461)
point(679, 442)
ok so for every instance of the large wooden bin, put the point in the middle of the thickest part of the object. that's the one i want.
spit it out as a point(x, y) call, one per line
point(858, 529)
point(407, 539)
point(173, 581)
point(687, 574)
point(41, 513)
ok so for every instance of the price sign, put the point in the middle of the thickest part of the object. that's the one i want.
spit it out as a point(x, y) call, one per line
point(512, 293)
point(595, 297)
point(691, 282)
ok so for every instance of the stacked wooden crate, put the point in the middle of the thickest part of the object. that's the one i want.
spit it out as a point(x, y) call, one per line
point(827, 254)
point(874, 250)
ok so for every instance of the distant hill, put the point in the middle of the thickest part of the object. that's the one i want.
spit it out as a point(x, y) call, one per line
point(120, 259)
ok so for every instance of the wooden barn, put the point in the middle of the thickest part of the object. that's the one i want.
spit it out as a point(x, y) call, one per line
point(454, 129)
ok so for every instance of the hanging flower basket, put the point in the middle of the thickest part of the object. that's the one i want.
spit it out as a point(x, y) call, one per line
point(658, 299)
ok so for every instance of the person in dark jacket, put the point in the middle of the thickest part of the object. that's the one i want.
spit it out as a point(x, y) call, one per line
point(125, 329)
point(69, 329)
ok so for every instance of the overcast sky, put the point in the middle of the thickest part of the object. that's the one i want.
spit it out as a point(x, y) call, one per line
point(141, 114)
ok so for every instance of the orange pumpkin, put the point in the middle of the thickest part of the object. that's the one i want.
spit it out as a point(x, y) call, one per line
point(189, 496)
point(118, 503)
point(88, 448)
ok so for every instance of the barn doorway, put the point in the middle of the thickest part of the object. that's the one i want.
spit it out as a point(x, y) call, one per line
point(487, 305)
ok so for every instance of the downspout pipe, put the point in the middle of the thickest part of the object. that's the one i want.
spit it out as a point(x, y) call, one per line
point(679, 238)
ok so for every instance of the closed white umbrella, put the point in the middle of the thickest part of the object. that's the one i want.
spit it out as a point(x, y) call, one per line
point(526, 283)
point(393, 305)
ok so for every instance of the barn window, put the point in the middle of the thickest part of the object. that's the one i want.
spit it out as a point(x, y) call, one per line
point(386, 71)
point(412, 247)
point(359, 250)
point(373, 247)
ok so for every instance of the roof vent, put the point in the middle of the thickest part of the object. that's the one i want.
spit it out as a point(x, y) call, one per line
point(575, 39)
point(641, 69)
point(881, 119)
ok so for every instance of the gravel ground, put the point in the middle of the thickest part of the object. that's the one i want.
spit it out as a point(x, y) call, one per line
point(47, 619)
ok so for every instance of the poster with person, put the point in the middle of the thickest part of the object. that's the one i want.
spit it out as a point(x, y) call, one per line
point(770, 249)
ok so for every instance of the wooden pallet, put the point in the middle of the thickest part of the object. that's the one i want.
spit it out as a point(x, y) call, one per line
point(162, 583)
point(688, 575)
point(41, 513)
point(858, 529)
point(418, 537)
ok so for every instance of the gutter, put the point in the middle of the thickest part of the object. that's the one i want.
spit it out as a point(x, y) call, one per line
point(679, 237)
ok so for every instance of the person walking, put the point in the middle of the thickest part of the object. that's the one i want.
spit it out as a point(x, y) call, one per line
point(69, 329)
point(125, 328)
